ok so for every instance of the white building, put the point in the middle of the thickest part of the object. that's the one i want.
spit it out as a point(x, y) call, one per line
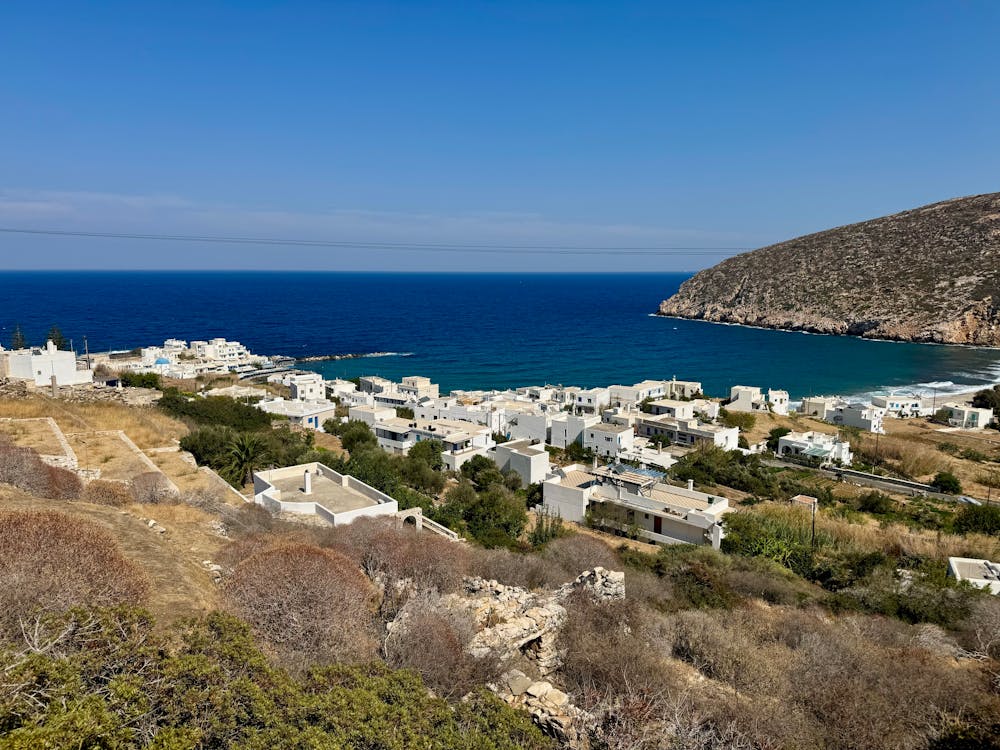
point(829, 449)
point(982, 574)
point(621, 499)
point(751, 399)
point(370, 415)
point(608, 440)
point(682, 389)
point(529, 460)
point(838, 411)
point(220, 350)
point(307, 387)
point(460, 440)
point(43, 365)
point(418, 387)
point(374, 384)
point(568, 428)
point(630, 395)
point(339, 388)
point(904, 405)
point(315, 489)
point(687, 431)
point(592, 401)
point(672, 408)
point(968, 417)
point(311, 414)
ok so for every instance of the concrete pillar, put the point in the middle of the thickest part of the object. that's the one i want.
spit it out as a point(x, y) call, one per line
point(691, 484)
point(307, 483)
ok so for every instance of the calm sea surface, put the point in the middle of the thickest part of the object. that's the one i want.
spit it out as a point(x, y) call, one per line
point(472, 330)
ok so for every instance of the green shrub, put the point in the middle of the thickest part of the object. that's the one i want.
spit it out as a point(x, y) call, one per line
point(977, 519)
point(140, 380)
point(112, 680)
point(946, 482)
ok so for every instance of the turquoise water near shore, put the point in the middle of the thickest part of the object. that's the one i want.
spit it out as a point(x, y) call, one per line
point(474, 330)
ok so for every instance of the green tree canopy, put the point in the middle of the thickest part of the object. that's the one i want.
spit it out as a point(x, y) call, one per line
point(17, 339)
point(57, 338)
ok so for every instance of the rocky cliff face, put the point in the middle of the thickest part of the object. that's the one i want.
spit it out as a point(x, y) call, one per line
point(931, 274)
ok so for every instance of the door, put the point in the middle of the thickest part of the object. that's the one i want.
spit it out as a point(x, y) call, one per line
point(657, 525)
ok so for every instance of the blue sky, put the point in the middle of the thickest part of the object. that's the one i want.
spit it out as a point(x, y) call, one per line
point(572, 124)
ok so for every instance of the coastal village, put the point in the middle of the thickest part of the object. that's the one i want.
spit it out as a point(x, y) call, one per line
point(600, 456)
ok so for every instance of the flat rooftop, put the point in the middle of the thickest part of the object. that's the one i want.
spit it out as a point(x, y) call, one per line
point(331, 495)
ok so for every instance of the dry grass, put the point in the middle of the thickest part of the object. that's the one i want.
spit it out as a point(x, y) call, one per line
point(185, 475)
point(108, 453)
point(180, 585)
point(36, 434)
point(889, 538)
point(146, 426)
point(767, 422)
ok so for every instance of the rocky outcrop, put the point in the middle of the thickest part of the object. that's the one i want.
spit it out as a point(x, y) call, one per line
point(513, 623)
point(931, 274)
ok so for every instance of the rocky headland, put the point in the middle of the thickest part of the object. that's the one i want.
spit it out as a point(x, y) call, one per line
point(931, 274)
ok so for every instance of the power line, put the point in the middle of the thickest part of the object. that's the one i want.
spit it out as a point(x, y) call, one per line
point(367, 245)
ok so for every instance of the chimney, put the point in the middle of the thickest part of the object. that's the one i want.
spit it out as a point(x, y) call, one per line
point(307, 483)
point(691, 485)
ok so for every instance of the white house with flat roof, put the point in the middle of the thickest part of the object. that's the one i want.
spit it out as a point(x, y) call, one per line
point(42, 365)
point(982, 574)
point(310, 414)
point(672, 408)
point(968, 417)
point(418, 387)
point(829, 449)
point(528, 459)
point(591, 401)
point(839, 411)
point(609, 440)
point(623, 499)
point(567, 429)
point(370, 415)
point(315, 489)
point(687, 431)
point(682, 389)
point(749, 398)
point(904, 405)
point(339, 388)
point(307, 387)
point(630, 395)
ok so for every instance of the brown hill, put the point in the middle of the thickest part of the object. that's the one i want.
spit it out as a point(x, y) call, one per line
point(931, 274)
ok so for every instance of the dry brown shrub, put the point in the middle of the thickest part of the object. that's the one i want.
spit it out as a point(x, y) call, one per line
point(514, 569)
point(50, 562)
point(21, 467)
point(151, 487)
point(579, 552)
point(388, 553)
point(312, 605)
point(101, 492)
point(613, 649)
point(432, 642)
point(865, 696)
point(736, 647)
point(62, 484)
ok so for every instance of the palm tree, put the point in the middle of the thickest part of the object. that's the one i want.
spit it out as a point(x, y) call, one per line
point(246, 452)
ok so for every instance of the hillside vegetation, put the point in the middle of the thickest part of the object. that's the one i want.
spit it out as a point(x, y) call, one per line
point(930, 274)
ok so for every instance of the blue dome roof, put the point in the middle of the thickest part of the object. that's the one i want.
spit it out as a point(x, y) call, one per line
point(162, 361)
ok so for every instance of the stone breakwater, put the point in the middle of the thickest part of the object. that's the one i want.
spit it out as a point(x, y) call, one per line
point(354, 355)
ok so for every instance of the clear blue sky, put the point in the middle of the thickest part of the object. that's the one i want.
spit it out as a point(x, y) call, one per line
point(613, 124)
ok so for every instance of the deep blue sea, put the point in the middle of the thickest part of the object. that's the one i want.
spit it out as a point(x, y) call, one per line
point(472, 330)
